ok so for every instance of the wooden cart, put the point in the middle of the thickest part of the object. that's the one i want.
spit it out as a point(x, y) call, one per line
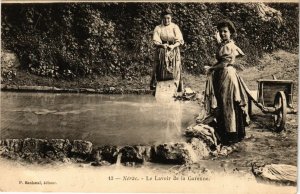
point(275, 97)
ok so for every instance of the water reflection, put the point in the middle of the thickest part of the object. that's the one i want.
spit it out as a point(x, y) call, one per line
point(171, 112)
point(102, 119)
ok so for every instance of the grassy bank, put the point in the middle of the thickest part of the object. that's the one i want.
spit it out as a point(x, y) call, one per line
point(282, 64)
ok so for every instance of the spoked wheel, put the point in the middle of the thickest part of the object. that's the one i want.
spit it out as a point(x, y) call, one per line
point(280, 111)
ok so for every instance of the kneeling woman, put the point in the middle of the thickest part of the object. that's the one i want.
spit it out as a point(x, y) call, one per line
point(225, 90)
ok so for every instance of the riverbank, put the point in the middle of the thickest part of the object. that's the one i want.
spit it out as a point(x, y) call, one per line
point(109, 90)
point(231, 173)
point(282, 64)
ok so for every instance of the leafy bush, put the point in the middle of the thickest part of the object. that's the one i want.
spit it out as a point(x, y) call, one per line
point(82, 39)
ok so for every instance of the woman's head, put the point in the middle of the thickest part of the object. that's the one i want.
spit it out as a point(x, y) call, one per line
point(226, 29)
point(166, 16)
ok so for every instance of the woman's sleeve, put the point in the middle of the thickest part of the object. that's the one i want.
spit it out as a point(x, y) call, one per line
point(178, 35)
point(239, 52)
point(156, 35)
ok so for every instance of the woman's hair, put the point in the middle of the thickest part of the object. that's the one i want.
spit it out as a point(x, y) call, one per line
point(228, 24)
point(166, 12)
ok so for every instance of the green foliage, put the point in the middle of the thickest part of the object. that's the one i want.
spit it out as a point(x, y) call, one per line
point(82, 39)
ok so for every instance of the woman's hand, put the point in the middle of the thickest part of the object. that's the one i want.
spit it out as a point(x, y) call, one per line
point(217, 36)
point(165, 46)
point(239, 67)
point(171, 47)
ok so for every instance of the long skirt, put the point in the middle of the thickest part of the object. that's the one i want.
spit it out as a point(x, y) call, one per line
point(227, 97)
point(167, 66)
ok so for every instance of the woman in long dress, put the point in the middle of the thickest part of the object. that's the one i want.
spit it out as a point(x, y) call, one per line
point(167, 39)
point(225, 91)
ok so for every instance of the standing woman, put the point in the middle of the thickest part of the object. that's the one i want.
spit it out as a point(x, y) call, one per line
point(225, 89)
point(167, 38)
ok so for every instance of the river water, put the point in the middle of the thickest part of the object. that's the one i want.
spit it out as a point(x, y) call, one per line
point(137, 119)
point(101, 119)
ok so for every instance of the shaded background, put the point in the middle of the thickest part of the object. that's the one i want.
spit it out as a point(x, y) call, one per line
point(71, 40)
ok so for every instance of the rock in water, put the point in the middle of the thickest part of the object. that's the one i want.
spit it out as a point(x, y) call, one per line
point(279, 173)
point(173, 153)
point(105, 153)
point(60, 147)
point(82, 147)
point(33, 146)
point(131, 154)
point(14, 145)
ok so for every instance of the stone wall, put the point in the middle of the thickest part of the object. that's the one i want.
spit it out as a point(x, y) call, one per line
point(34, 150)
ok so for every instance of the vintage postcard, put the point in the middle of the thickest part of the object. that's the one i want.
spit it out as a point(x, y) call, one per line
point(149, 96)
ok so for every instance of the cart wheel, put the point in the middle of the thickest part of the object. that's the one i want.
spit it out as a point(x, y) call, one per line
point(281, 111)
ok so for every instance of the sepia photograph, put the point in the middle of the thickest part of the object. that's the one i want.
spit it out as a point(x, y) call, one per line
point(149, 96)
